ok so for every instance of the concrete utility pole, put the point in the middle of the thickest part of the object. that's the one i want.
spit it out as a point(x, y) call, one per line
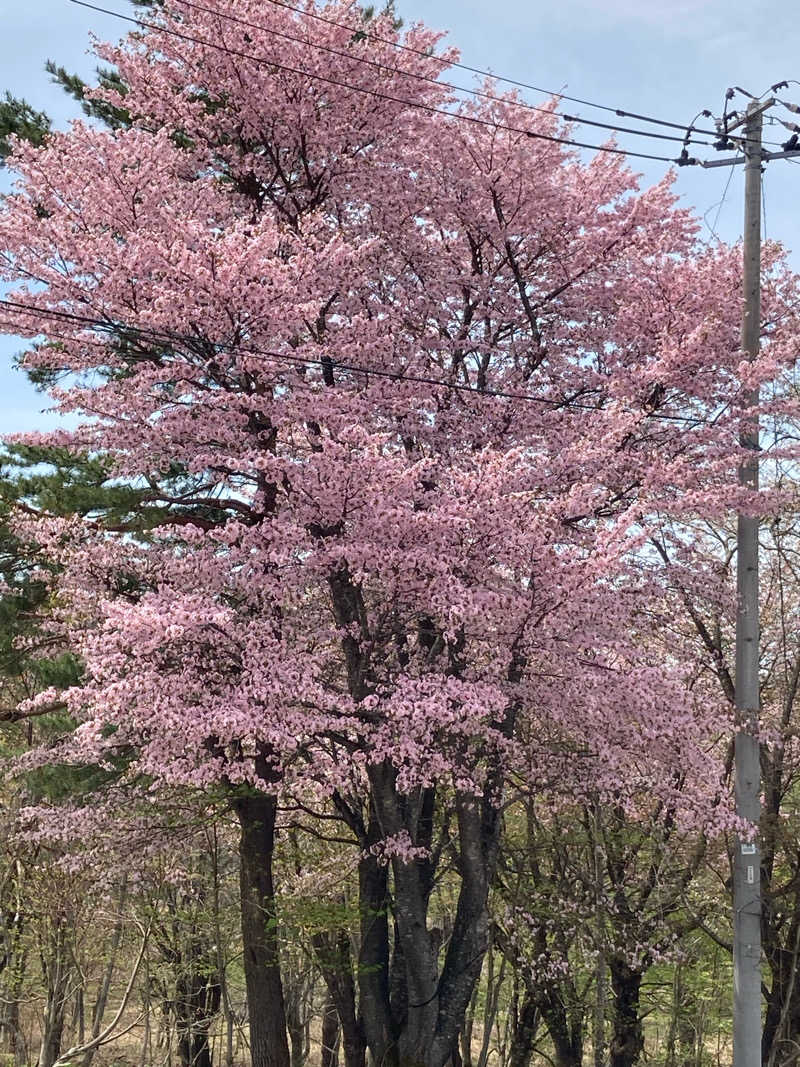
point(747, 764)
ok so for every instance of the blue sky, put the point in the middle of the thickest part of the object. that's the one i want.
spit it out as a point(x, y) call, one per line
point(666, 58)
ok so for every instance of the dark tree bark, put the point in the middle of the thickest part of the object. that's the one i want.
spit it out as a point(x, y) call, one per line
point(332, 952)
point(330, 1034)
point(268, 1041)
point(197, 1003)
point(780, 926)
point(523, 1036)
point(194, 1049)
point(782, 1020)
point(11, 1032)
point(57, 973)
point(373, 968)
point(422, 1008)
point(413, 1017)
point(565, 1033)
point(297, 1039)
point(414, 1010)
point(627, 1041)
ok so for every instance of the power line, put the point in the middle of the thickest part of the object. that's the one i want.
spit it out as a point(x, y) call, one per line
point(167, 337)
point(430, 79)
point(684, 160)
point(719, 205)
point(464, 66)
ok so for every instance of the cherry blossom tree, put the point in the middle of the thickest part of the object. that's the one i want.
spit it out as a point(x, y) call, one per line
point(401, 389)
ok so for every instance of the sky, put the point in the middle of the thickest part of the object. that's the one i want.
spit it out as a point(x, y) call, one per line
point(663, 58)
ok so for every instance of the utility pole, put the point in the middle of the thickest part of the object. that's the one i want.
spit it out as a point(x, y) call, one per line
point(747, 763)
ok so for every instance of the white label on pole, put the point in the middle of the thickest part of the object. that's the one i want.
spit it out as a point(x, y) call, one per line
point(750, 876)
point(748, 850)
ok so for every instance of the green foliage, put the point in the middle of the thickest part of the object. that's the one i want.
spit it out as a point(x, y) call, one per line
point(319, 914)
point(59, 782)
point(115, 117)
point(107, 78)
point(388, 9)
point(20, 119)
point(33, 657)
point(368, 14)
point(61, 483)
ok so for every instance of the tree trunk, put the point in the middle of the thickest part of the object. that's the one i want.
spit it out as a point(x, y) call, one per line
point(222, 978)
point(196, 1004)
point(682, 1035)
point(782, 1021)
point(627, 1041)
point(193, 1048)
point(13, 1037)
point(415, 1019)
point(332, 952)
point(373, 971)
point(599, 1018)
point(567, 1045)
point(268, 1043)
point(494, 983)
point(52, 1032)
point(438, 1002)
point(197, 997)
point(330, 1034)
point(297, 1032)
point(526, 1024)
point(690, 1043)
point(434, 1001)
point(465, 1036)
point(57, 974)
point(556, 1005)
point(13, 968)
point(51, 1038)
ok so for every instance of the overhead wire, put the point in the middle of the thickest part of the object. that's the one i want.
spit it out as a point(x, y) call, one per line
point(719, 205)
point(396, 376)
point(159, 336)
point(482, 94)
point(460, 66)
point(723, 140)
point(454, 115)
